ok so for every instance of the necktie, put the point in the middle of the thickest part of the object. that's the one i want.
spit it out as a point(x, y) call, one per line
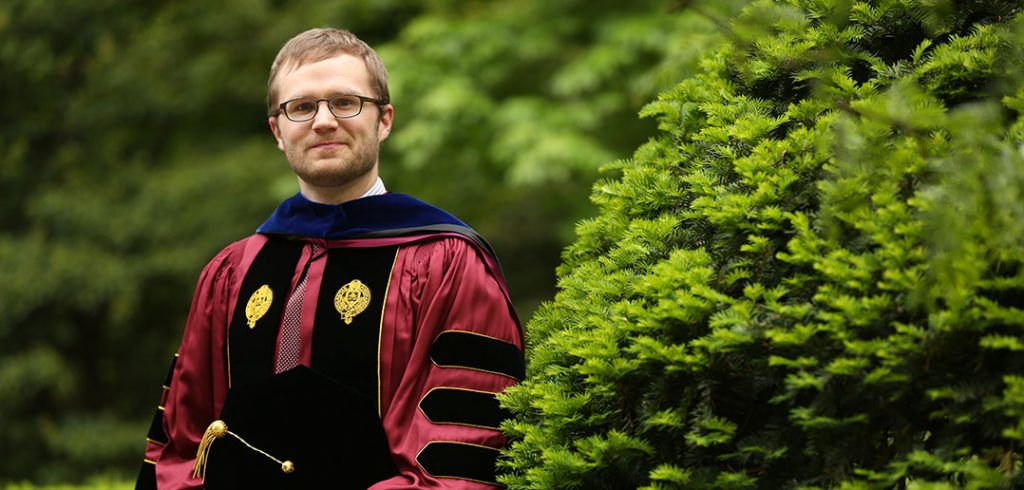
point(288, 350)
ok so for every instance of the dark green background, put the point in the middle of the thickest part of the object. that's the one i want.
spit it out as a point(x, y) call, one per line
point(134, 145)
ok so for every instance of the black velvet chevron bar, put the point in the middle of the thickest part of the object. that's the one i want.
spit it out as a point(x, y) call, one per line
point(442, 459)
point(463, 407)
point(461, 349)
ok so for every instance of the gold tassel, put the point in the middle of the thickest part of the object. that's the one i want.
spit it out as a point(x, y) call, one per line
point(216, 430)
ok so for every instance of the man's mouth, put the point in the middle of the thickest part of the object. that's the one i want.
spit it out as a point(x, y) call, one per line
point(327, 145)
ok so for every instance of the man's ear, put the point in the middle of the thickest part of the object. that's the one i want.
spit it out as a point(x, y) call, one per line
point(277, 132)
point(387, 116)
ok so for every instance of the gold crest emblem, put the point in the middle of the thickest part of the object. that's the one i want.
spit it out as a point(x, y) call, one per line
point(351, 300)
point(258, 304)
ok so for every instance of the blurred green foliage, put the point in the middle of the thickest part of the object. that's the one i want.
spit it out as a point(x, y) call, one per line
point(134, 145)
point(100, 482)
point(812, 278)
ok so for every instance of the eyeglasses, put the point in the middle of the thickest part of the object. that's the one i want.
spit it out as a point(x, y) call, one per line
point(342, 106)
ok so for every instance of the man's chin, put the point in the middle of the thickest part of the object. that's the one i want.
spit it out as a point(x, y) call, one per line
point(331, 174)
point(324, 166)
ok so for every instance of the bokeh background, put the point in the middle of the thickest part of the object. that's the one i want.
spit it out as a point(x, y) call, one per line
point(134, 145)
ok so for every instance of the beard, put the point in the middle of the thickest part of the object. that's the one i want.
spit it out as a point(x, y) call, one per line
point(342, 167)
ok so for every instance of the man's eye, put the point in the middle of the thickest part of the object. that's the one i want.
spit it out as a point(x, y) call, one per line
point(302, 107)
point(344, 102)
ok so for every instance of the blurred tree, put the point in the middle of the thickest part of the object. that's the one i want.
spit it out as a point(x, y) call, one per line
point(812, 278)
point(135, 146)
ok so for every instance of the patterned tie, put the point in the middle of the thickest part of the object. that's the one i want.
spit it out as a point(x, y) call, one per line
point(288, 351)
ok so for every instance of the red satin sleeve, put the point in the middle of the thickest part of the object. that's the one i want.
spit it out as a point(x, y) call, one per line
point(199, 382)
point(438, 286)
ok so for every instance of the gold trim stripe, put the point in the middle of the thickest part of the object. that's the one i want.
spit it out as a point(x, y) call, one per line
point(150, 461)
point(380, 329)
point(227, 353)
point(156, 442)
point(456, 366)
point(470, 332)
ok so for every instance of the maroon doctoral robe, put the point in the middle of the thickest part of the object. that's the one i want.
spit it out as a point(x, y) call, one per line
point(439, 338)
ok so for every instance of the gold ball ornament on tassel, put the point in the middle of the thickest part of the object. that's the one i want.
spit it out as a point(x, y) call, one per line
point(218, 428)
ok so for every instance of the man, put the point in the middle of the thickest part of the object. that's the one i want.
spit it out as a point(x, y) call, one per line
point(358, 339)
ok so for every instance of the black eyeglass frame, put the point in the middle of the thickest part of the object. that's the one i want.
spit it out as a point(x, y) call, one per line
point(362, 101)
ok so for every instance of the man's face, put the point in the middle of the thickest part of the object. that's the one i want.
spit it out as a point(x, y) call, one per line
point(331, 156)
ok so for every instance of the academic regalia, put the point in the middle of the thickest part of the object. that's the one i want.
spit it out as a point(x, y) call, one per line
point(406, 331)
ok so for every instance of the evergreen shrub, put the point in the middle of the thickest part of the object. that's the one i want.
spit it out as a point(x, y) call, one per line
point(810, 278)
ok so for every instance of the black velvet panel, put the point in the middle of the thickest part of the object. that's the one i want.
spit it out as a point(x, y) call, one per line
point(331, 434)
point(170, 372)
point(156, 428)
point(459, 460)
point(147, 474)
point(147, 477)
point(458, 349)
point(347, 352)
point(463, 407)
point(251, 350)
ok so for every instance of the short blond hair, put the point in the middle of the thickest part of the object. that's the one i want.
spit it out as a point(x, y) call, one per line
point(320, 44)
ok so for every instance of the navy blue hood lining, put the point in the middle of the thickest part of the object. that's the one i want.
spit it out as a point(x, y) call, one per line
point(302, 217)
point(386, 215)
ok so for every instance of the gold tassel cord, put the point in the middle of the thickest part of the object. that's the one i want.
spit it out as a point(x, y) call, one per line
point(216, 430)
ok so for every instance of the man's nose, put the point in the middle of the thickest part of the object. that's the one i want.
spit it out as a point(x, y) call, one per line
point(324, 119)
